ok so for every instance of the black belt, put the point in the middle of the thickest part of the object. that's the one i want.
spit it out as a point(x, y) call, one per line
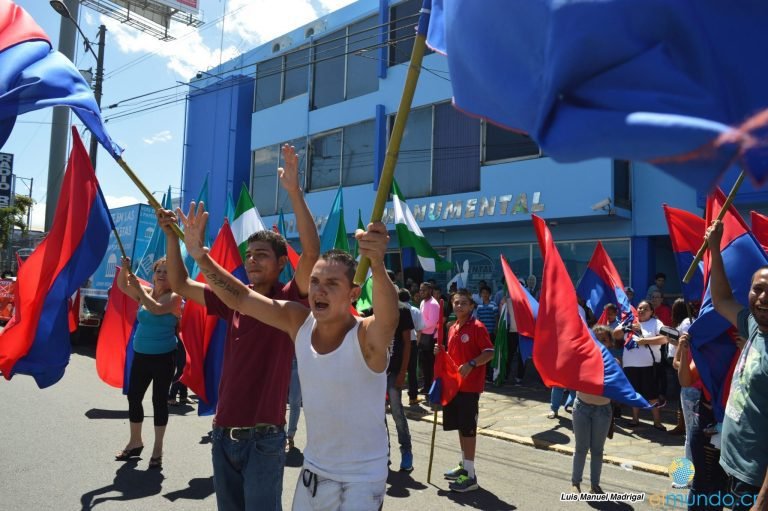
point(250, 432)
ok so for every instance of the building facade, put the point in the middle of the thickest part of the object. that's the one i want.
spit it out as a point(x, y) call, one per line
point(331, 88)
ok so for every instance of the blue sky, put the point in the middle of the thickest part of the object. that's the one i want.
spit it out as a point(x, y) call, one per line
point(136, 64)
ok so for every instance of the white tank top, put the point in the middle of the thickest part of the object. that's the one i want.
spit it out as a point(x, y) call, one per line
point(343, 403)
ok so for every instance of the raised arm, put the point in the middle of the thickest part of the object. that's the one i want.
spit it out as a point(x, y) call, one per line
point(122, 280)
point(287, 316)
point(684, 367)
point(177, 272)
point(379, 328)
point(310, 241)
point(722, 295)
point(172, 306)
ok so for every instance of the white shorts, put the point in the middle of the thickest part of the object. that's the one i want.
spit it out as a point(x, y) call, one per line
point(317, 493)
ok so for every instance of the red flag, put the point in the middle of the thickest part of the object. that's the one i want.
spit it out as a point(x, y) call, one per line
point(440, 333)
point(447, 373)
point(521, 303)
point(115, 334)
point(74, 312)
point(760, 229)
point(293, 256)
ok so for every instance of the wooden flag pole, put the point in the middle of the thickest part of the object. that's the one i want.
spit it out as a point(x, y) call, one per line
point(728, 201)
point(393, 147)
point(432, 447)
point(150, 198)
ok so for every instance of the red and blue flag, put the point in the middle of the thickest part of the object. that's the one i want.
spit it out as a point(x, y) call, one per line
point(686, 231)
point(525, 308)
point(601, 284)
point(633, 72)
point(36, 342)
point(204, 335)
point(760, 229)
point(712, 343)
point(565, 353)
point(34, 76)
point(447, 379)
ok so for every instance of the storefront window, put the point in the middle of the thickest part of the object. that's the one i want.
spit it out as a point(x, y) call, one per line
point(264, 184)
point(502, 145)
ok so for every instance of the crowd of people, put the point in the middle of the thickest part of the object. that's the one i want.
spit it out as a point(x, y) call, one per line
point(291, 341)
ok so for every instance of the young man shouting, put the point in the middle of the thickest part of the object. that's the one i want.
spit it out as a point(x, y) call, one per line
point(341, 359)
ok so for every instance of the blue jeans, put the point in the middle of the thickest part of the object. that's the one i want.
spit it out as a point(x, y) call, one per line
point(689, 401)
point(294, 400)
point(398, 414)
point(248, 474)
point(590, 427)
point(556, 399)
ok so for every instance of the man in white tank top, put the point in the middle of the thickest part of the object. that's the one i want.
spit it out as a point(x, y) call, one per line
point(341, 359)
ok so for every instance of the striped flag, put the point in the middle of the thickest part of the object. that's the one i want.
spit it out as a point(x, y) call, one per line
point(409, 235)
point(247, 220)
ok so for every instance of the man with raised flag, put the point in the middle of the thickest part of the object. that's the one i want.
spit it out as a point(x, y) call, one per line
point(248, 448)
point(744, 452)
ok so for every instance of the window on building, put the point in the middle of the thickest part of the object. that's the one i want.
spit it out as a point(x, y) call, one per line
point(296, 73)
point(402, 30)
point(362, 58)
point(622, 186)
point(325, 162)
point(268, 83)
point(329, 64)
point(264, 182)
point(503, 145)
point(414, 163)
point(358, 158)
point(456, 152)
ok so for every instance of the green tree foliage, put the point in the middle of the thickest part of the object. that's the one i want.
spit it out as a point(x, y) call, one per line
point(14, 216)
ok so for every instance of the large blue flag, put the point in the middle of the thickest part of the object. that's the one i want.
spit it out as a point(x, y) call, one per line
point(712, 343)
point(36, 340)
point(34, 76)
point(674, 83)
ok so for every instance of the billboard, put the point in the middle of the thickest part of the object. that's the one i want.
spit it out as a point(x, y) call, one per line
point(190, 6)
point(6, 179)
point(135, 225)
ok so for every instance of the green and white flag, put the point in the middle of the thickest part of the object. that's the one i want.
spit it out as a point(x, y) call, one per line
point(247, 220)
point(409, 235)
point(500, 349)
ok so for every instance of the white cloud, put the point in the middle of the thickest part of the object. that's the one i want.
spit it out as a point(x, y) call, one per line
point(159, 137)
point(332, 5)
point(257, 21)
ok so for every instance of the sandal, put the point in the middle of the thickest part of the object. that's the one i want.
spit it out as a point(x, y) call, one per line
point(126, 453)
point(156, 462)
point(633, 424)
point(660, 427)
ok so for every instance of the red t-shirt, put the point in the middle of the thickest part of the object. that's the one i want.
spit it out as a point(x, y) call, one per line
point(464, 344)
point(256, 370)
point(663, 314)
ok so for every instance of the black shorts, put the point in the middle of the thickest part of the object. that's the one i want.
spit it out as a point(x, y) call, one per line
point(644, 380)
point(461, 413)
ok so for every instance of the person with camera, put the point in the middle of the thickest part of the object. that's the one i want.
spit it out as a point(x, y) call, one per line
point(642, 358)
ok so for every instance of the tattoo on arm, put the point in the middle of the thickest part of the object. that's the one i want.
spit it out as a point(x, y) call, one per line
point(215, 280)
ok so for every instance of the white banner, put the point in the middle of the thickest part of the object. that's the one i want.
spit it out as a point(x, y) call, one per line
point(190, 6)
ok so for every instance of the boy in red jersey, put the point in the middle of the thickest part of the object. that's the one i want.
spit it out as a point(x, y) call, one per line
point(470, 347)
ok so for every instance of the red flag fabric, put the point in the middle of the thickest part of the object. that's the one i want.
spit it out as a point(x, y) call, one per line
point(447, 372)
point(521, 305)
point(293, 256)
point(440, 332)
point(74, 312)
point(115, 334)
point(760, 229)
point(564, 352)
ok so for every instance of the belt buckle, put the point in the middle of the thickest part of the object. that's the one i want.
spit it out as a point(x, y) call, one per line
point(231, 434)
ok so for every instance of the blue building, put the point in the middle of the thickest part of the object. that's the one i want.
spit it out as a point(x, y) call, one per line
point(331, 88)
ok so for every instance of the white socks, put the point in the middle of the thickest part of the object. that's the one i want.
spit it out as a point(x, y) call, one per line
point(469, 466)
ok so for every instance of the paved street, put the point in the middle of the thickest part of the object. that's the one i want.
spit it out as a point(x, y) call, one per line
point(58, 447)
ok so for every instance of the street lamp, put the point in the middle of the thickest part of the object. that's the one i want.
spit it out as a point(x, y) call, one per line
point(60, 7)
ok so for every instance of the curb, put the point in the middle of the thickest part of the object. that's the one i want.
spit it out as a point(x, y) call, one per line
point(545, 445)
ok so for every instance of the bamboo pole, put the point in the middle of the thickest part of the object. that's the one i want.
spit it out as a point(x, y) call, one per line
point(432, 448)
point(393, 148)
point(728, 201)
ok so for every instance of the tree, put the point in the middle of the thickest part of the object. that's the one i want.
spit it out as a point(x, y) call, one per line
point(12, 216)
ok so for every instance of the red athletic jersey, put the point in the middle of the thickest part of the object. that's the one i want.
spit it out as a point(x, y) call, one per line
point(464, 344)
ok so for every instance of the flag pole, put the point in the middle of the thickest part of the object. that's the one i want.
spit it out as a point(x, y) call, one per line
point(111, 222)
point(150, 198)
point(727, 204)
point(432, 447)
point(393, 147)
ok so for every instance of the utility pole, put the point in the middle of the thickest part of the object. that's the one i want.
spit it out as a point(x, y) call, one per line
point(97, 89)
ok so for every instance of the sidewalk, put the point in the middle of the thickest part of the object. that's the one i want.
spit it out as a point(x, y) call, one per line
point(519, 414)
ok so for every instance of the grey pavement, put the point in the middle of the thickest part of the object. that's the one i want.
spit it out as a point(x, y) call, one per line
point(519, 414)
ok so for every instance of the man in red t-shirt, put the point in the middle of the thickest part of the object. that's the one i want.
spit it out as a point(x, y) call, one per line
point(248, 438)
point(470, 348)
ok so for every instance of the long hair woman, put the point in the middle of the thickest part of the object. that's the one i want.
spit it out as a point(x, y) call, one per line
point(154, 346)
